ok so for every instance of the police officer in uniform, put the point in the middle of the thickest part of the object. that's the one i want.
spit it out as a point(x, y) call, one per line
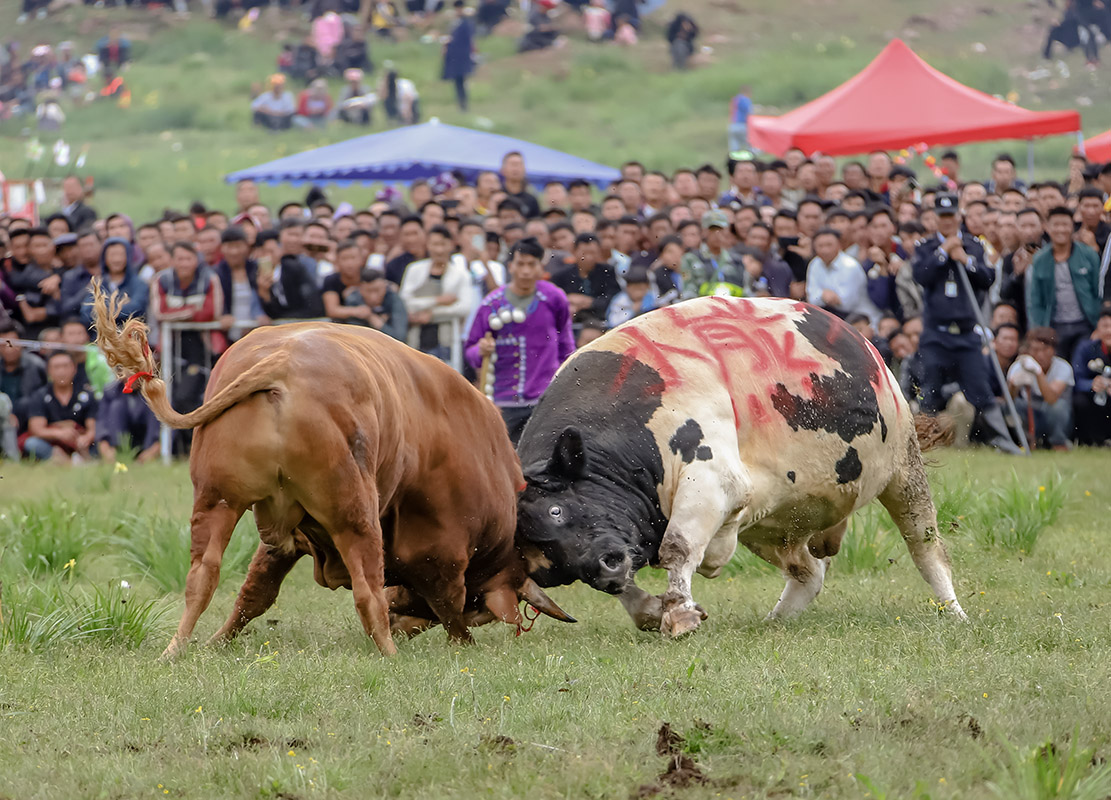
point(950, 347)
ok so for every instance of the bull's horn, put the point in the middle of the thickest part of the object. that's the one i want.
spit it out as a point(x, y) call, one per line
point(534, 596)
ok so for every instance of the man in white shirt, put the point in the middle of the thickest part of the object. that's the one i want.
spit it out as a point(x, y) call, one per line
point(835, 281)
point(437, 290)
point(1041, 383)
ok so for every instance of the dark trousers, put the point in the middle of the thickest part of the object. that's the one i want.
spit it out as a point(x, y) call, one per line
point(1069, 336)
point(273, 123)
point(1093, 423)
point(515, 418)
point(461, 91)
point(948, 357)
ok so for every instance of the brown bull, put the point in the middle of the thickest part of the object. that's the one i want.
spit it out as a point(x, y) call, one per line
point(382, 463)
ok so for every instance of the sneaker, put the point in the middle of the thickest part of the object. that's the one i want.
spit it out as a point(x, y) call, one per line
point(40, 14)
point(21, 19)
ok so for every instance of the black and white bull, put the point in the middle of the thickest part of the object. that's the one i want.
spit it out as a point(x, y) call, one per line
point(685, 430)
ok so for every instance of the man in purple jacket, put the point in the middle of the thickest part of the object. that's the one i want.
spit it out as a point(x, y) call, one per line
point(524, 328)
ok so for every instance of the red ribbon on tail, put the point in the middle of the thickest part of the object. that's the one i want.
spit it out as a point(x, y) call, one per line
point(129, 384)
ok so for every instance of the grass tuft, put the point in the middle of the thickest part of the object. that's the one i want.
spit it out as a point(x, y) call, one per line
point(49, 536)
point(1013, 516)
point(1048, 772)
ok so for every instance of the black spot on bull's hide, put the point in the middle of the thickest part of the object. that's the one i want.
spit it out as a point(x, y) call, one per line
point(791, 476)
point(840, 341)
point(883, 429)
point(687, 442)
point(839, 403)
point(849, 467)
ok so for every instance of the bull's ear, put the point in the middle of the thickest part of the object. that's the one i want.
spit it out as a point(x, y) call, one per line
point(569, 457)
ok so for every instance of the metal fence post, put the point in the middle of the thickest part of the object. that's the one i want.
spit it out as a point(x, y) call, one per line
point(166, 434)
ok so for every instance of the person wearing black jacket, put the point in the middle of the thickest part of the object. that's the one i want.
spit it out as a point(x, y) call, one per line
point(950, 346)
point(238, 276)
point(590, 283)
point(681, 34)
point(285, 286)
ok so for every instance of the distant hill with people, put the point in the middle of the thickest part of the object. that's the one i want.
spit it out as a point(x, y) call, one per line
point(187, 120)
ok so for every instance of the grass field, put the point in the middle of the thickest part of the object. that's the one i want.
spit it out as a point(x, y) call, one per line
point(870, 694)
point(188, 124)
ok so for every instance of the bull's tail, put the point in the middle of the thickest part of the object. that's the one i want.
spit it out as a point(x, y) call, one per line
point(933, 431)
point(128, 353)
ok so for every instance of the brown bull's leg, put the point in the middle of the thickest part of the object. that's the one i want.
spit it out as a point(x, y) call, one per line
point(260, 589)
point(446, 596)
point(409, 614)
point(502, 604)
point(361, 550)
point(211, 524)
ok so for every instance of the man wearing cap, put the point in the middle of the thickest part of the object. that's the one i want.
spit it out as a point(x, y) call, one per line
point(950, 346)
point(712, 269)
point(274, 109)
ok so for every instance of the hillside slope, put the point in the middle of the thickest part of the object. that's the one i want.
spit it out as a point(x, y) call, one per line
point(188, 124)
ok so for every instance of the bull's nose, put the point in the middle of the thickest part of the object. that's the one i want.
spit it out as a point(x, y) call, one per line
point(613, 572)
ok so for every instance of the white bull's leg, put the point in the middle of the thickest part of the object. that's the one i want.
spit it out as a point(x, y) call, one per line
point(907, 498)
point(805, 576)
point(698, 513)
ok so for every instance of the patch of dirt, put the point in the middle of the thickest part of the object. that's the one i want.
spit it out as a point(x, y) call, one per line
point(667, 741)
point(497, 744)
point(425, 720)
point(681, 771)
point(247, 741)
point(973, 726)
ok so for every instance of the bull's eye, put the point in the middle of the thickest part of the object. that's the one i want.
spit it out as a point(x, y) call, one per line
point(555, 512)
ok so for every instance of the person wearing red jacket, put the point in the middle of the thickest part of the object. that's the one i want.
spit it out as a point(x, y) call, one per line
point(189, 292)
point(314, 105)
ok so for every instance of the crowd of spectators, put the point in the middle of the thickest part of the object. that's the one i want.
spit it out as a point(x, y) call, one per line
point(861, 239)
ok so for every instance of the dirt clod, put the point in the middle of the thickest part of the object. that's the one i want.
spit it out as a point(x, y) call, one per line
point(668, 741)
point(498, 744)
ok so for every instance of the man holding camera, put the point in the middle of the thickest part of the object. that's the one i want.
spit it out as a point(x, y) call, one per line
point(950, 346)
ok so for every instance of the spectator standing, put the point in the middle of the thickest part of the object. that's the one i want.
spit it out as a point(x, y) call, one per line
point(515, 182)
point(1064, 285)
point(22, 373)
point(524, 328)
point(344, 282)
point(413, 242)
point(286, 285)
point(188, 292)
point(637, 298)
point(835, 281)
point(114, 53)
point(681, 35)
point(387, 311)
point(739, 109)
point(80, 215)
point(712, 269)
point(459, 53)
point(1092, 374)
point(590, 283)
point(238, 275)
point(436, 291)
point(1042, 386)
point(274, 109)
point(597, 20)
point(118, 273)
point(949, 346)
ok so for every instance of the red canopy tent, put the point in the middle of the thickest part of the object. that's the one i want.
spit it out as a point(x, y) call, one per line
point(1098, 148)
point(897, 101)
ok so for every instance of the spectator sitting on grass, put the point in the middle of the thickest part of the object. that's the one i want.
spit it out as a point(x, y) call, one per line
point(274, 109)
point(314, 106)
point(61, 416)
point(399, 97)
point(355, 101)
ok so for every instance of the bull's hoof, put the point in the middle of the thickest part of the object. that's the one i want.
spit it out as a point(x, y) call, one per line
point(649, 615)
point(680, 621)
point(174, 650)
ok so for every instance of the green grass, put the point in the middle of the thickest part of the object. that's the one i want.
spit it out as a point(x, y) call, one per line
point(869, 693)
point(188, 124)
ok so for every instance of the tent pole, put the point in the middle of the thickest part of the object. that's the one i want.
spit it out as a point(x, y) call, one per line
point(1030, 160)
point(1080, 144)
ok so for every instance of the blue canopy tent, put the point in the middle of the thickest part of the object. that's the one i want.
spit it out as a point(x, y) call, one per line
point(423, 151)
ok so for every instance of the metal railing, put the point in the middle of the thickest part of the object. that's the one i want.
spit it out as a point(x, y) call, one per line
point(169, 339)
